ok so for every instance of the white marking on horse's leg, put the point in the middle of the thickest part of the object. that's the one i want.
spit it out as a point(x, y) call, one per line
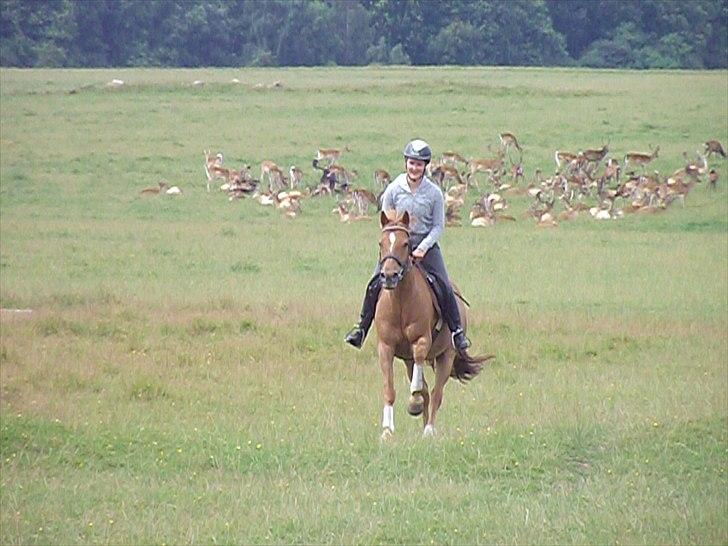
point(392, 239)
point(388, 417)
point(429, 431)
point(417, 381)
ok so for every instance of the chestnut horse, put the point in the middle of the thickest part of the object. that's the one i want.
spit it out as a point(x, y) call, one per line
point(405, 318)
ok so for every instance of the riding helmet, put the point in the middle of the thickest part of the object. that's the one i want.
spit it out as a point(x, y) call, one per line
point(418, 149)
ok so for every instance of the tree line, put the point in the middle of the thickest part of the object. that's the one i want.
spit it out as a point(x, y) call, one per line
point(191, 33)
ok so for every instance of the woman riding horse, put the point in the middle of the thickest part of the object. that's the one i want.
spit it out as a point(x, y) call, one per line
point(415, 193)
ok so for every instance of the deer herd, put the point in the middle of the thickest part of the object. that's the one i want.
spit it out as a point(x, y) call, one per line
point(587, 182)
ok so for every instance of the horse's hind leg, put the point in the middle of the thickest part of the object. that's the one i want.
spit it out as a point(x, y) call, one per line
point(443, 366)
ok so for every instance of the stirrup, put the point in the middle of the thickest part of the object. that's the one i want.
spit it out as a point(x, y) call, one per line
point(459, 340)
point(355, 337)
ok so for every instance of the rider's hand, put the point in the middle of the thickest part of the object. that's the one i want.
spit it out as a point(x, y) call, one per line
point(418, 254)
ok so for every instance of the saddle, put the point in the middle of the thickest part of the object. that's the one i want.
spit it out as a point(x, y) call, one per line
point(438, 298)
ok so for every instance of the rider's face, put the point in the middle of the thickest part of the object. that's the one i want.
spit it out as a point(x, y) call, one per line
point(415, 168)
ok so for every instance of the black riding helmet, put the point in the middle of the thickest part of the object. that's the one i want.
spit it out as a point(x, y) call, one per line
point(418, 149)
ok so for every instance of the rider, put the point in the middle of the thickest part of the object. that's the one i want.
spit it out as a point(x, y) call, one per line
point(414, 192)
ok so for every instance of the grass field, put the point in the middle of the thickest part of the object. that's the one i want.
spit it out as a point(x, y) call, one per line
point(182, 376)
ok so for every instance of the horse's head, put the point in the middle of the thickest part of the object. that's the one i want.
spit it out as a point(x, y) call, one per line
point(394, 248)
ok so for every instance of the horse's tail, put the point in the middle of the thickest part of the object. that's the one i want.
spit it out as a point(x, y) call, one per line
point(465, 366)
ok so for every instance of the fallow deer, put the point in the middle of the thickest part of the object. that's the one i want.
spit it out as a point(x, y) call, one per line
point(362, 199)
point(595, 156)
point(491, 165)
point(713, 179)
point(296, 176)
point(155, 190)
point(640, 158)
point(508, 141)
point(382, 178)
point(274, 174)
point(442, 172)
point(714, 147)
point(562, 157)
point(331, 155)
point(452, 158)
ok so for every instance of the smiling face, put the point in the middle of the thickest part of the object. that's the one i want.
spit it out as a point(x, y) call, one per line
point(415, 168)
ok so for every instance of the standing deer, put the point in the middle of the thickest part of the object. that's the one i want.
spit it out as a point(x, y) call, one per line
point(640, 158)
point(382, 178)
point(714, 147)
point(296, 176)
point(274, 174)
point(508, 141)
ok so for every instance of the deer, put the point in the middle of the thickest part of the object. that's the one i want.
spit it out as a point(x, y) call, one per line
point(155, 190)
point(331, 155)
point(592, 157)
point(561, 157)
point(362, 199)
point(714, 147)
point(484, 211)
point(328, 180)
point(452, 213)
point(274, 174)
point(492, 166)
point(640, 158)
point(213, 167)
point(508, 141)
point(382, 178)
point(612, 171)
point(345, 216)
point(713, 179)
point(296, 176)
point(444, 172)
point(595, 155)
point(452, 158)
point(342, 175)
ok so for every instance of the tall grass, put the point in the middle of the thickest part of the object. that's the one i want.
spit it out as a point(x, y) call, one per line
point(182, 378)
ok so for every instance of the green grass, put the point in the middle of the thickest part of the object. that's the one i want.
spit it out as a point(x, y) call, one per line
point(182, 377)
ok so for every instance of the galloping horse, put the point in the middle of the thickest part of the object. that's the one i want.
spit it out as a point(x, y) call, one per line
point(406, 318)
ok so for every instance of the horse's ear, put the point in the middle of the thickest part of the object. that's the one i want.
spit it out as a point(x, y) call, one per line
point(383, 219)
point(405, 219)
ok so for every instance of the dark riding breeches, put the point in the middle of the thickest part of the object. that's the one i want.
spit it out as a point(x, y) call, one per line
point(434, 265)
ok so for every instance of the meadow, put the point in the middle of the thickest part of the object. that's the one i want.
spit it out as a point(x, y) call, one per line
point(182, 376)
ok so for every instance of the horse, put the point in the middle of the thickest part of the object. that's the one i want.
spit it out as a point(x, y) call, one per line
point(405, 319)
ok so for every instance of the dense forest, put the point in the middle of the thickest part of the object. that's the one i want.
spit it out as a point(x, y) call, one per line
point(191, 33)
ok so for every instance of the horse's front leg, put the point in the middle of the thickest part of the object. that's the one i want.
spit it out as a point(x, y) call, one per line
point(386, 364)
point(420, 348)
point(415, 410)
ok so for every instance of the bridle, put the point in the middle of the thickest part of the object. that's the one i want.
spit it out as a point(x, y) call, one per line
point(404, 267)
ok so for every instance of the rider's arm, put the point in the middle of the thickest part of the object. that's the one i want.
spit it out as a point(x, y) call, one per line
point(438, 222)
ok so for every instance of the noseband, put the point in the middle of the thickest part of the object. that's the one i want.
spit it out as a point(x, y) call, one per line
point(404, 267)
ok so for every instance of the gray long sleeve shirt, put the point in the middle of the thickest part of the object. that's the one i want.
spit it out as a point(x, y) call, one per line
point(426, 208)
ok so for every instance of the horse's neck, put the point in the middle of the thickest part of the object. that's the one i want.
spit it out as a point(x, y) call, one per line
point(409, 288)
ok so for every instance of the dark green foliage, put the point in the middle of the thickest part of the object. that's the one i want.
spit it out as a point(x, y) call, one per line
point(601, 33)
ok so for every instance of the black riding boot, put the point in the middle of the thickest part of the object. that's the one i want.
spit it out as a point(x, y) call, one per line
point(357, 334)
point(451, 311)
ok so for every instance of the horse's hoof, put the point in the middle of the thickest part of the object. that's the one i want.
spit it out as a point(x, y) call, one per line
point(429, 431)
point(387, 434)
point(416, 404)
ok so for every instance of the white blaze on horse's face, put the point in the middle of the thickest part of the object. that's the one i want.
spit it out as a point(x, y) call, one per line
point(393, 255)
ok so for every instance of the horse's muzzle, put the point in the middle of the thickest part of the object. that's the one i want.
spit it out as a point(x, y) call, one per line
point(390, 282)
